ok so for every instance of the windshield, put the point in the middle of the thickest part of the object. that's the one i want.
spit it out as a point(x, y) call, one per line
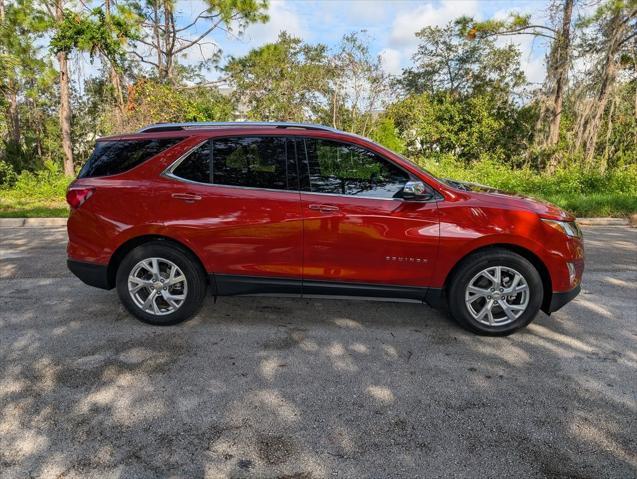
point(417, 166)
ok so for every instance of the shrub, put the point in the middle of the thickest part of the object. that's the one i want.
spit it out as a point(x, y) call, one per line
point(566, 181)
point(46, 183)
point(7, 175)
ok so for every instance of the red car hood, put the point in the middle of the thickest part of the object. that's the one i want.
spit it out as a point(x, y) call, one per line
point(513, 200)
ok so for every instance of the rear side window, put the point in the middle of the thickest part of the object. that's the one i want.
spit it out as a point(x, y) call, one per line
point(253, 162)
point(113, 157)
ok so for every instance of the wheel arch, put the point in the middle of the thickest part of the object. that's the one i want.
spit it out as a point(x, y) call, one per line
point(529, 255)
point(122, 250)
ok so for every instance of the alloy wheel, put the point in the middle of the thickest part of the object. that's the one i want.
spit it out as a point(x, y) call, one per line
point(157, 286)
point(497, 296)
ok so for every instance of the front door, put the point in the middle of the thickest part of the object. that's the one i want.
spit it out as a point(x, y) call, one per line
point(357, 230)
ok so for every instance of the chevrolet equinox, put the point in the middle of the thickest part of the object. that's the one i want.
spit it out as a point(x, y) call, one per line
point(176, 209)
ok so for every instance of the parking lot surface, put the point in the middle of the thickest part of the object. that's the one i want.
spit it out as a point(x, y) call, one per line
point(300, 388)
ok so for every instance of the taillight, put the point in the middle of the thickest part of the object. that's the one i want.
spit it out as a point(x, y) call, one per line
point(76, 197)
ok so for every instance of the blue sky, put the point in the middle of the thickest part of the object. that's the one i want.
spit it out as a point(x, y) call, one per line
point(390, 25)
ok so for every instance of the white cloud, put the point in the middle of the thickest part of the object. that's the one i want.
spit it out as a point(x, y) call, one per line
point(282, 18)
point(391, 60)
point(369, 11)
point(410, 21)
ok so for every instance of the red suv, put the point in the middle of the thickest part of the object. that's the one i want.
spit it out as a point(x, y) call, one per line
point(296, 209)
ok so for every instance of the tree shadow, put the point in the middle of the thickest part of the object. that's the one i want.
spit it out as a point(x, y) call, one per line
point(271, 387)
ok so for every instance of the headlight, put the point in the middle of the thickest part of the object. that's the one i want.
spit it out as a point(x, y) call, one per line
point(569, 228)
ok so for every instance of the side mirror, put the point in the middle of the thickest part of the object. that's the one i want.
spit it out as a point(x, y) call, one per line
point(416, 190)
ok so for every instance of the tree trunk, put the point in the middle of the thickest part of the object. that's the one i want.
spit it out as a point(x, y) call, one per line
point(13, 114)
point(603, 165)
point(114, 74)
point(65, 100)
point(561, 68)
point(65, 114)
point(616, 30)
point(561, 62)
point(157, 40)
point(169, 40)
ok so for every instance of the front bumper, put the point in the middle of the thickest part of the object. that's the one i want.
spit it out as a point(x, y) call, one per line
point(91, 274)
point(560, 299)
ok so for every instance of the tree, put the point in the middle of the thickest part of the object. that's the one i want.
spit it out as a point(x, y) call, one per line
point(447, 60)
point(612, 41)
point(95, 32)
point(282, 81)
point(22, 69)
point(557, 66)
point(56, 12)
point(358, 88)
point(165, 40)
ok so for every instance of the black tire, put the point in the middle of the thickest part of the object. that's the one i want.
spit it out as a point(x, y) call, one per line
point(189, 266)
point(472, 266)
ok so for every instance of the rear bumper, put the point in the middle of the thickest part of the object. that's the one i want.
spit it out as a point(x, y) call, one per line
point(560, 299)
point(91, 274)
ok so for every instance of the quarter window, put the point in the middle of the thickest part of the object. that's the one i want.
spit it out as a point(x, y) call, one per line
point(196, 166)
point(114, 157)
point(347, 169)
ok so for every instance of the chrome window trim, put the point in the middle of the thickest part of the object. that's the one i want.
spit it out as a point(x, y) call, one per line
point(168, 173)
point(436, 195)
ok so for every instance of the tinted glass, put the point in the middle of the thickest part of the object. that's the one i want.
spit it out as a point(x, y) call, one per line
point(256, 162)
point(346, 169)
point(113, 157)
point(196, 167)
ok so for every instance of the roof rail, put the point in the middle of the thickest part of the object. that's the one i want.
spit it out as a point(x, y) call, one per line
point(157, 127)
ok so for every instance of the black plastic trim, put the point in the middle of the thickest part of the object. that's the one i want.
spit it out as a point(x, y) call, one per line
point(91, 274)
point(333, 288)
point(558, 300)
point(231, 285)
point(436, 298)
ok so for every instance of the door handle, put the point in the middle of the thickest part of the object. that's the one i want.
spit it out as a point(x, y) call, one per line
point(187, 197)
point(323, 208)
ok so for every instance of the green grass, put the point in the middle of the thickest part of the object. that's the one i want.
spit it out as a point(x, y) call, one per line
point(14, 205)
point(596, 204)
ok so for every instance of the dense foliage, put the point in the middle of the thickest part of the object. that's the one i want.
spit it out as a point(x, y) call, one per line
point(463, 108)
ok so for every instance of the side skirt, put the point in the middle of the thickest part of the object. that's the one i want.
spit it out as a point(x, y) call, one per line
point(235, 285)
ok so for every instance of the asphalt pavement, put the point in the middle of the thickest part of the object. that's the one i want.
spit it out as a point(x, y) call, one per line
point(311, 388)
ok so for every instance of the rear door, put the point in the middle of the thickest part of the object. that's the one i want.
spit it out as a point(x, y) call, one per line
point(237, 199)
point(357, 228)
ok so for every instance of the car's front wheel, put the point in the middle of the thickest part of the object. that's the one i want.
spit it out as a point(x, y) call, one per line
point(160, 284)
point(495, 292)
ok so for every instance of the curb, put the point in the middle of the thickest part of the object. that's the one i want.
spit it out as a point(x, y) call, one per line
point(31, 222)
point(604, 222)
point(53, 222)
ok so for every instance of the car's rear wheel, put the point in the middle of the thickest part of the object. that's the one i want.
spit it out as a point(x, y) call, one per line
point(495, 292)
point(161, 284)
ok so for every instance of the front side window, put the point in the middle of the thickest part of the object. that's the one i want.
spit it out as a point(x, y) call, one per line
point(254, 162)
point(347, 169)
point(114, 157)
